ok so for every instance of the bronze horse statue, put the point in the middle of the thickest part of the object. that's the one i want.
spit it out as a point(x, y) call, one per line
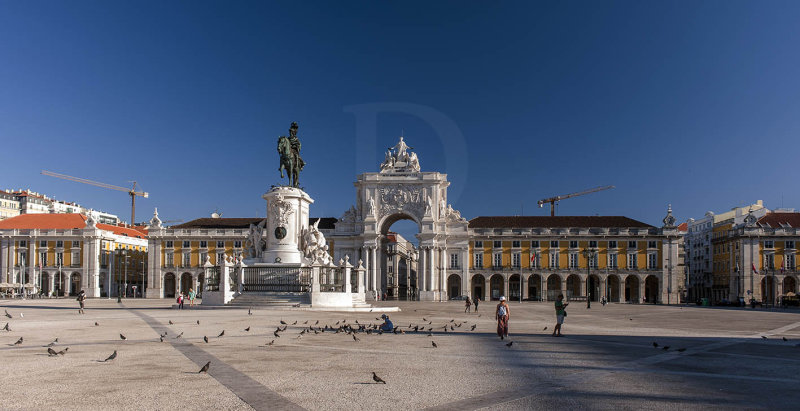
point(290, 159)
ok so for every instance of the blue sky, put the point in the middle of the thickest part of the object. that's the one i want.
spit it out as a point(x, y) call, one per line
point(682, 102)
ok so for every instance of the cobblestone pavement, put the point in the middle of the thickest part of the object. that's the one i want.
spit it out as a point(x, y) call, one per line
point(605, 361)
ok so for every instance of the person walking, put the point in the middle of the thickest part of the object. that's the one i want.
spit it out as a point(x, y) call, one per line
point(191, 297)
point(467, 304)
point(502, 314)
point(477, 299)
point(180, 301)
point(81, 298)
point(561, 313)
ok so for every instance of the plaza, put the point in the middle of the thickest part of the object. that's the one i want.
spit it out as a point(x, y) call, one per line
point(605, 361)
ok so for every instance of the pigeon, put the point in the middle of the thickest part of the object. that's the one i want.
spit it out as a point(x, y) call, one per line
point(294, 323)
point(8, 315)
point(510, 343)
point(764, 337)
point(171, 323)
point(544, 329)
point(18, 341)
point(377, 379)
point(316, 322)
point(205, 339)
point(630, 319)
point(284, 322)
point(161, 338)
point(198, 322)
point(179, 335)
point(785, 339)
point(51, 352)
point(430, 334)
point(305, 322)
point(64, 351)
point(355, 338)
point(7, 328)
point(111, 357)
point(271, 342)
point(21, 315)
point(681, 349)
point(655, 344)
point(248, 328)
point(424, 319)
point(276, 334)
point(96, 324)
point(52, 343)
point(433, 343)
point(665, 348)
point(122, 337)
point(221, 334)
point(205, 368)
point(473, 327)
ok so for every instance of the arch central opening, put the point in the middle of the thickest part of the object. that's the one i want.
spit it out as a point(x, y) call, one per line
point(398, 258)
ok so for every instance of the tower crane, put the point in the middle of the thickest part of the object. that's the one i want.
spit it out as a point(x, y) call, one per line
point(554, 200)
point(131, 191)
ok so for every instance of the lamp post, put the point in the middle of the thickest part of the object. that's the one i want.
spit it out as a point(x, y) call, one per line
point(588, 254)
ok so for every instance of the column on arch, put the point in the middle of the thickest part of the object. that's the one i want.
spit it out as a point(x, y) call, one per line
point(523, 281)
point(465, 280)
point(374, 270)
point(641, 289)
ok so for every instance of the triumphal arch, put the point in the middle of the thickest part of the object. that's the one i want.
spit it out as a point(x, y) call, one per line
point(401, 191)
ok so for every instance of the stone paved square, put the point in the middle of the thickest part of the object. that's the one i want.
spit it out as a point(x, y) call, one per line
point(605, 361)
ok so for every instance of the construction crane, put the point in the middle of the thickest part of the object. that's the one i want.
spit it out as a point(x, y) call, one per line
point(554, 200)
point(131, 191)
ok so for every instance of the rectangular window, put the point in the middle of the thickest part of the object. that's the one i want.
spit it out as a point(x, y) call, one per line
point(790, 262)
point(592, 244)
point(631, 244)
point(186, 244)
point(220, 244)
point(76, 258)
point(170, 260)
point(535, 244)
point(515, 244)
point(454, 260)
point(169, 244)
point(536, 260)
point(573, 260)
point(498, 260)
point(478, 260)
point(478, 244)
point(23, 258)
point(60, 244)
point(553, 244)
point(651, 261)
point(220, 257)
point(651, 244)
point(553, 260)
point(23, 243)
point(203, 256)
point(573, 244)
point(43, 259)
point(60, 259)
point(76, 244)
point(203, 244)
point(769, 244)
point(43, 243)
point(515, 260)
point(187, 259)
point(237, 244)
point(498, 244)
point(769, 261)
point(632, 261)
point(789, 244)
point(593, 260)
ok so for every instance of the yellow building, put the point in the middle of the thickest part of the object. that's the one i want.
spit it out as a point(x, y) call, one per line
point(61, 254)
point(537, 258)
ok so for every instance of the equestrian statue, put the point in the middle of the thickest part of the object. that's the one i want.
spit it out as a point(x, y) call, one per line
point(289, 150)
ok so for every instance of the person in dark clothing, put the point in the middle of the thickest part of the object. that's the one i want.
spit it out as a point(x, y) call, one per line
point(81, 298)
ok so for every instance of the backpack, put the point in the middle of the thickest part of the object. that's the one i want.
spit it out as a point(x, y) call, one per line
point(501, 312)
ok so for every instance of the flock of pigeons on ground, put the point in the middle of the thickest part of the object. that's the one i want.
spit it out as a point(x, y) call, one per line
point(352, 329)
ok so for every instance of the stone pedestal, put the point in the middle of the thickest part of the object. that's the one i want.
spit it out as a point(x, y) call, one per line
point(287, 219)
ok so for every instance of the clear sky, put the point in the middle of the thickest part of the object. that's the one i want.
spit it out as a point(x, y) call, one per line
point(684, 102)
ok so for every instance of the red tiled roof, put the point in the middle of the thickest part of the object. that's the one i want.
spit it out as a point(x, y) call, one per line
point(557, 221)
point(61, 222)
point(777, 220)
point(683, 227)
